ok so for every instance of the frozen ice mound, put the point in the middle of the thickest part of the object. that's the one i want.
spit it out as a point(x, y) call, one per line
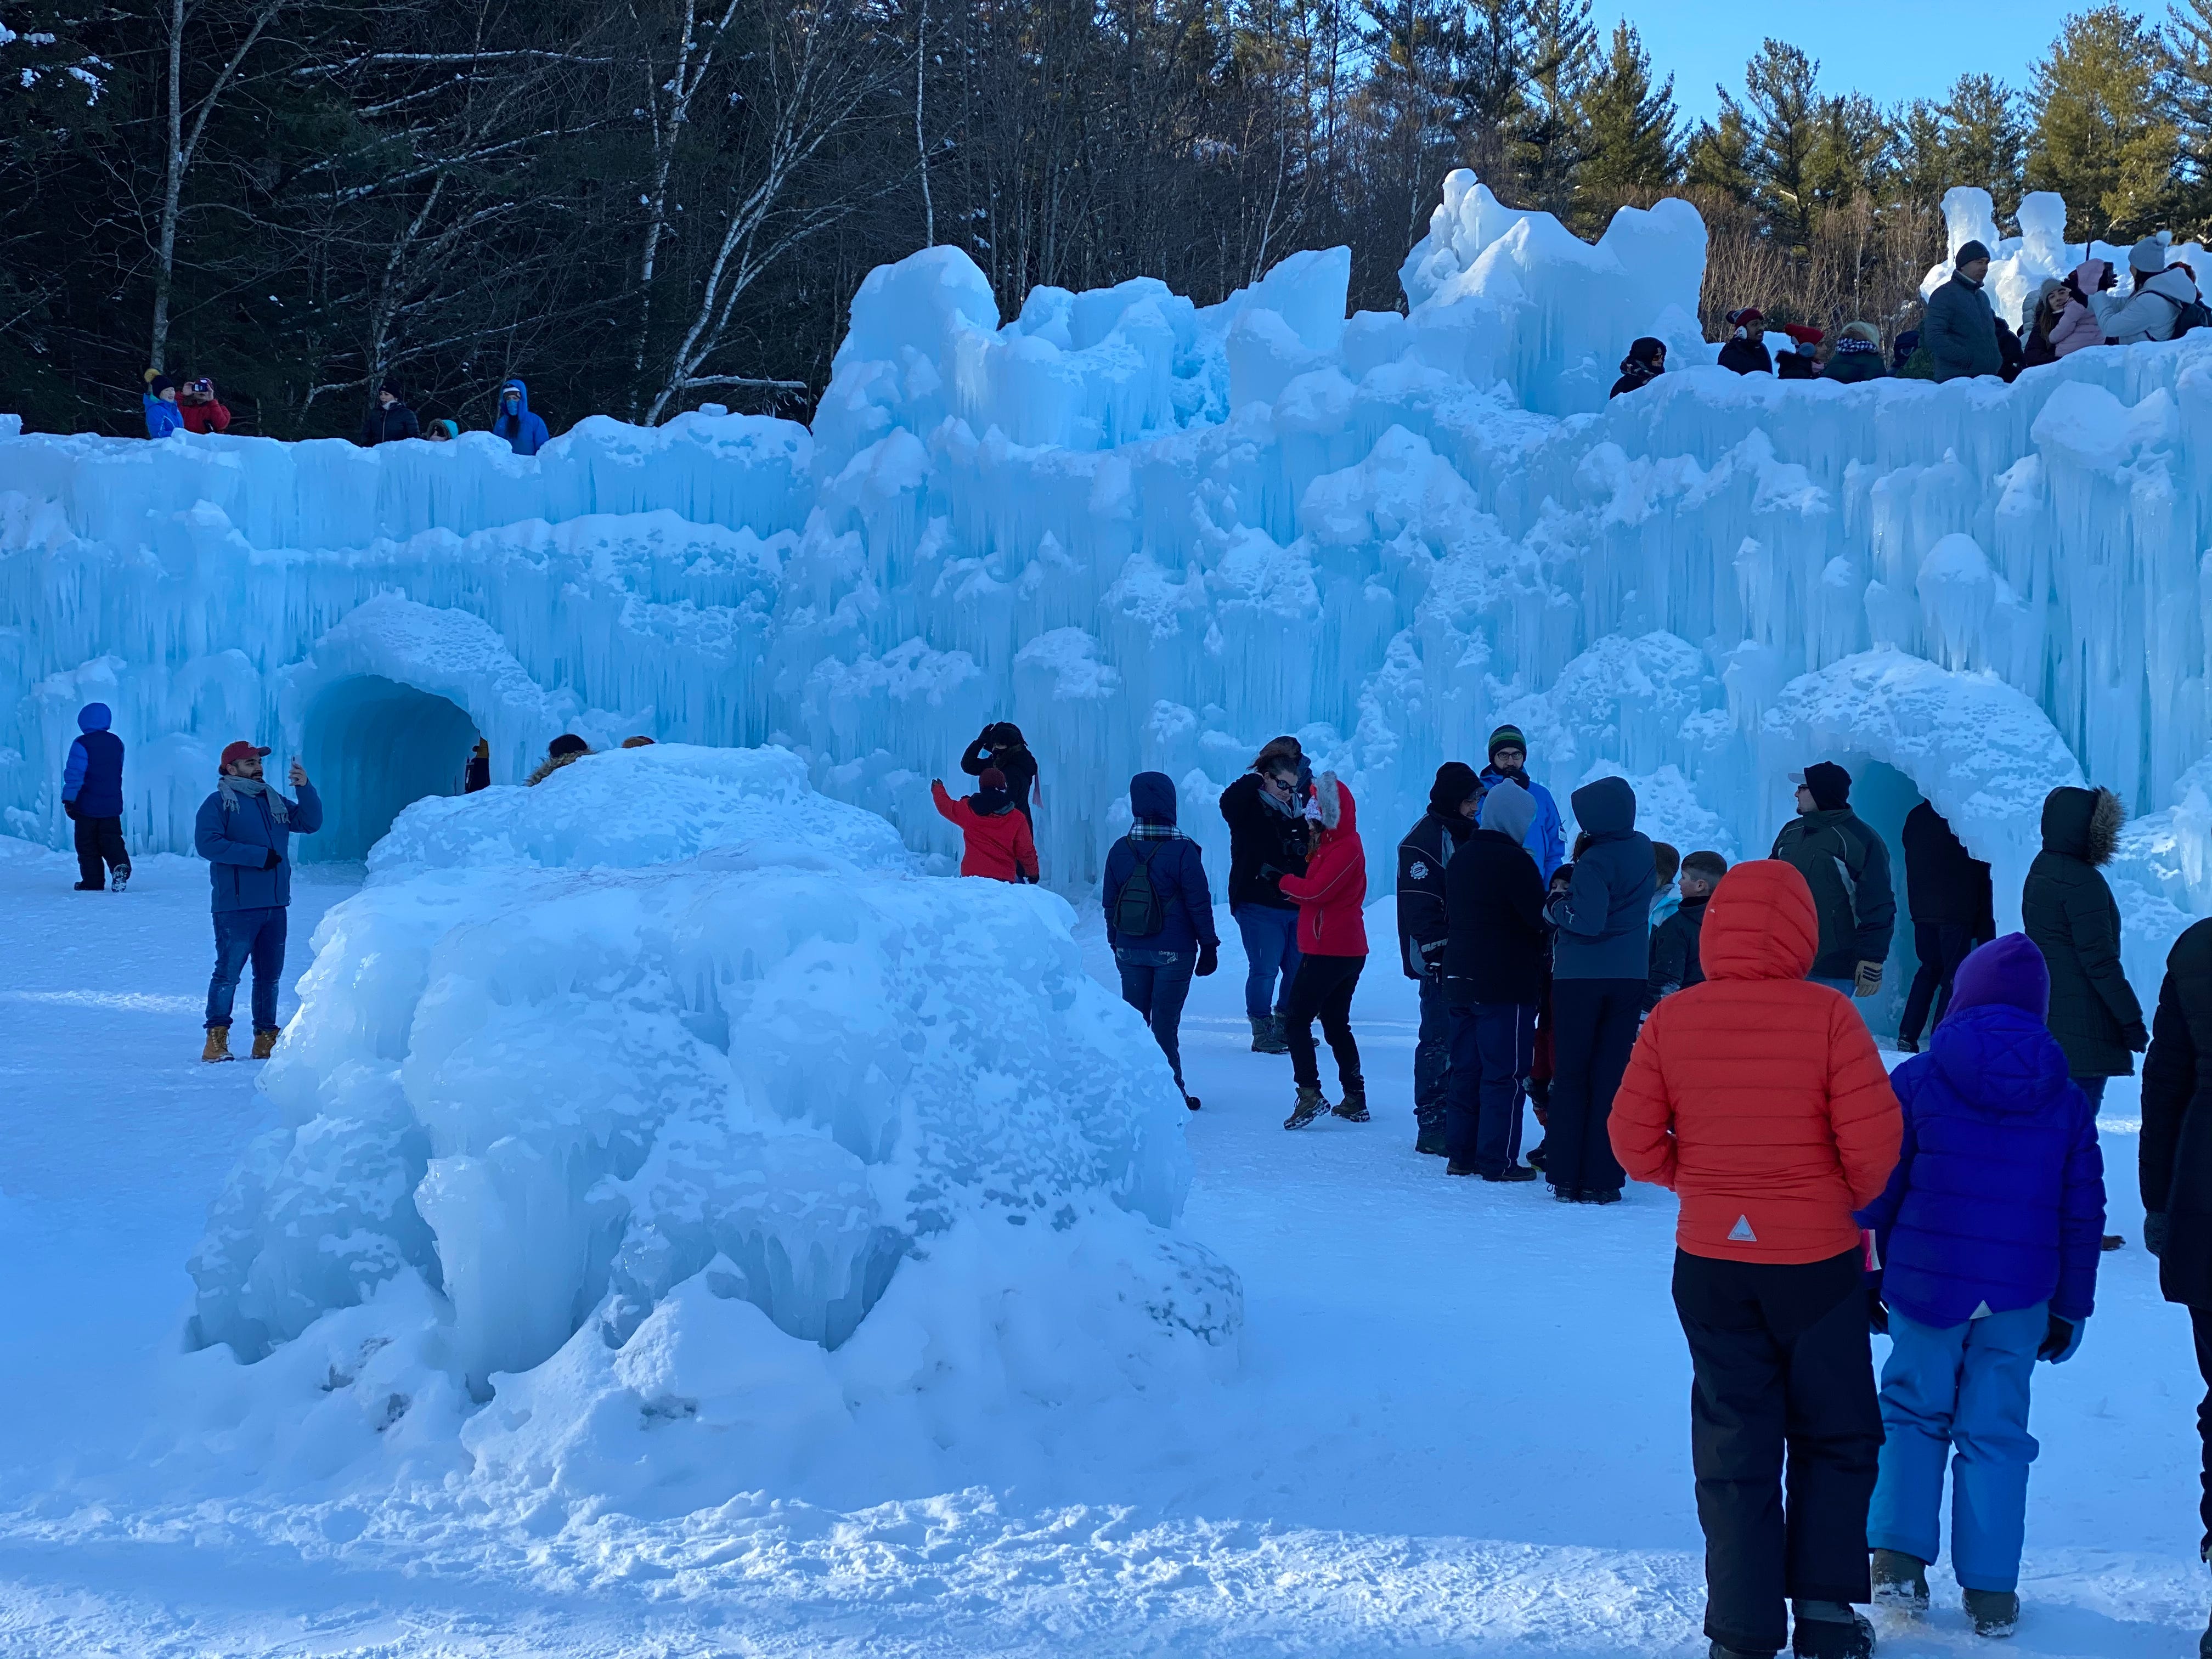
point(666, 1081)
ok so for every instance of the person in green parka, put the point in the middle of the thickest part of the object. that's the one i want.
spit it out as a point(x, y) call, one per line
point(1857, 355)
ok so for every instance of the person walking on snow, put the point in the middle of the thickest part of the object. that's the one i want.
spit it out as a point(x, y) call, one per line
point(1986, 1244)
point(1846, 866)
point(1001, 744)
point(389, 420)
point(1332, 950)
point(2175, 1167)
point(92, 797)
point(1760, 1099)
point(1493, 979)
point(524, 432)
point(1599, 963)
point(244, 830)
point(1946, 890)
point(162, 415)
point(2155, 304)
point(1509, 758)
point(1159, 916)
point(1424, 856)
point(995, 840)
point(1744, 351)
point(1675, 964)
point(1960, 332)
point(1268, 839)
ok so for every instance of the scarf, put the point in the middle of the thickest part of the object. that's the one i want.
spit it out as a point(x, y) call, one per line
point(1151, 829)
point(1289, 809)
point(232, 787)
point(1636, 369)
point(1852, 343)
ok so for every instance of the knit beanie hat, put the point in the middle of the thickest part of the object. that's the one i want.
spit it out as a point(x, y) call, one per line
point(1866, 332)
point(1831, 786)
point(2147, 257)
point(2010, 970)
point(1507, 736)
point(1746, 317)
point(991, 778)
point(1969, 251)
point(1456, 784)
point(157, 383)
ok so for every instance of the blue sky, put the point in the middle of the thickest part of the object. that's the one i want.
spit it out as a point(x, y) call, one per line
point(1887, 49)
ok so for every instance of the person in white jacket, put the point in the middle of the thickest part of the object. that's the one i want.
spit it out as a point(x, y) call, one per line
point(2155, 304)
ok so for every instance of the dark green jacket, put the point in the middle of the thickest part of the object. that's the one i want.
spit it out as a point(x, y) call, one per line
point(2069, 912)
point(2176, 1154)
point(1847, 867)
point(1852, 366)
point(1960, 332)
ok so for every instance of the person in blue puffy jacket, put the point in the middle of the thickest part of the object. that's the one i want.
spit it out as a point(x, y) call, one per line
point(1986, 1241)
point(1161, 929)
point(162, 415)
point(523, 431)
point(244, 830)
point(92, 796)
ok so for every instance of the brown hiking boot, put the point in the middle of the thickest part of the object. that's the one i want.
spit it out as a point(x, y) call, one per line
point(218, 1044)
point(265, 1043)
point(1352, 1108)
point(1310, 1106)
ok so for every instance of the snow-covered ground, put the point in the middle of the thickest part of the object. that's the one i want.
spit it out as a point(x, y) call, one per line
point(1458, 1425)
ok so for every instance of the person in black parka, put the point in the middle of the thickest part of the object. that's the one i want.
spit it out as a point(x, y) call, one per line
point(1947, 890)
point(1157, 964)
point(1493, 978)
point(1001, 744)
point(1423, 857)
point(1745, 350)
point(1268, 839)
point(2069, 912)
point(1847, 867)
point(92, 797)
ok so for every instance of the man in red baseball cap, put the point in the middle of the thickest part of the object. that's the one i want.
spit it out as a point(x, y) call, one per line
point(245, 831)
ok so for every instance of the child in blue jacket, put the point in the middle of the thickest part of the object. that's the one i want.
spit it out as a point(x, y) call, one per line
point(1987, 1240)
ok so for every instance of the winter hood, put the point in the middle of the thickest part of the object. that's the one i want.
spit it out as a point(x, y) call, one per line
point(1508, 809)
point(2172, 283)
point(94, 717)
point(2082, 823)
point(522, 393)
point(1759, 924)
point(1606, 807)
point(1992, 1048)
point(1332, 806)
point(1152, 798)
point(2008, 972)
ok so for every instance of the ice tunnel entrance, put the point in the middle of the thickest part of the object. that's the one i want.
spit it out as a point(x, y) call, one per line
point(374, 746)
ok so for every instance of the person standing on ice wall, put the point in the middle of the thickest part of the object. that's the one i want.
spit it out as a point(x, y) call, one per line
point(1268, 839)
point(244, 830)
point(1759, 1098)
point(162, 415)
point(1645, 362)
point(1946, 892)
point(1960, 332)
point(2155, 307)
point(524, 432)
point(2174, 1163)
point(1744, 351)
point(994, 838)
point(389, 420)
point(1986, 1252)
point(1846, 866)
point(92, 797)
point(1493, 979)
point(1424, 856)
point(1159, 916)
point(1001, 744)
point(1509, 758)
point(1332, 950)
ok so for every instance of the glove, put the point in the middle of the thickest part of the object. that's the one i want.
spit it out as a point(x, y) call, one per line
point(1209, 958)
point(69, 811)
point(2060, 1338)
point(2138, 1038)
point(1877, 1311)
point(272, 860)
point(1867, 979)
point(2154, 1231)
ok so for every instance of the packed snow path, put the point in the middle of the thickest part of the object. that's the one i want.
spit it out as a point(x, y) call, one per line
point(1459, 1425)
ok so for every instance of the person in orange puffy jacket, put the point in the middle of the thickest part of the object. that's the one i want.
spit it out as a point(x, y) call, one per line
point(1332, 950)
point(1759, 1098)
point(995, 838)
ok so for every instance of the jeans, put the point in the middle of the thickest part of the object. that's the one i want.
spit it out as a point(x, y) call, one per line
point(1784, 1436)
point(241, 935)
point(1271, 945)
point(99, 849)
point(1323, 988)
point(1958, 1394)
point(1593, 1024)
point(1941, 946)
point(1433, 1054)
point(1155, 983)
point(1493, 1044)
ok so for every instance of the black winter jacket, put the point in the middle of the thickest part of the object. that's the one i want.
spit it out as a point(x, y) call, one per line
point(1423, 857)
point(1018, 765)
point(2069, 912)
point(1674, 964)
point(1797, 366)
point(1494, 900)
point(1745, 358)
point(1265, 845)
point(388, 426)
point(1847, 867)
point(1944, 883)
point(2176, 1154)
point(1604, 918)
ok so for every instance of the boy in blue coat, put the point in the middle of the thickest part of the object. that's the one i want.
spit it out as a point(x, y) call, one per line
point(92, 796)
point(1987, 1240)
point(1161, 929)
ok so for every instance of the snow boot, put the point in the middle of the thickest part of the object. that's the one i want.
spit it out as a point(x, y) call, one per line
point(1567, 1194)
point(1900, 1580)
point(1602, 1196)
point(1429, 1137)
point(265, 1043)
point(218, 1044)
point(1461, 1170)
point(1907, 1045)
point(1995, 1612)
point(2114, 1242)
point(1310, 1106)
point(1513, 1172)
point(1352, 1108)
point(120, 879)
point(88, 887)
point(1815, 1637)
point(1191, 1102)
point(1717, 1650)
point(1267, 1035)
point(1535, 1156)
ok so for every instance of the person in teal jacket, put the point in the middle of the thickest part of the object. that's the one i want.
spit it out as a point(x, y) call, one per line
point(244, 830)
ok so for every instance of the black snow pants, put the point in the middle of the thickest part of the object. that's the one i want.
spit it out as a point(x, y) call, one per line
point(1322, 989)
point(1594, 1024)
point(99, 849)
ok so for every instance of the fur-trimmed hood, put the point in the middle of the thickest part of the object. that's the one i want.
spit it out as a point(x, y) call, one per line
point(1333, 803)
point(553, 763)
point(2083, 823)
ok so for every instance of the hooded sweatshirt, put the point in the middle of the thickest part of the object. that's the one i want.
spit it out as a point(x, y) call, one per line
point(92, 777)
point(522, 430)
point(2078, 325)
point(1330, 893)
point(1759, 1096)
point(1604, 917)
point(1494, 900)
point(1998, 1199)
point(2069, 912)
point(1176, 867)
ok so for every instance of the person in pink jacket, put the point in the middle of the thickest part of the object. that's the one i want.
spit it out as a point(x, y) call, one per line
point(2078, 325)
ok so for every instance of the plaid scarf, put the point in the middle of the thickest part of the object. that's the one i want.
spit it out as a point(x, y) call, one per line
point(1145, 829)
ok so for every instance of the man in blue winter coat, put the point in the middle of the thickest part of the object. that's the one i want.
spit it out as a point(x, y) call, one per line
point(92, 796)
point(244, 830)
point(1159, 916)
point(1986, 1241)
point(1509, 758)
point(523, 431)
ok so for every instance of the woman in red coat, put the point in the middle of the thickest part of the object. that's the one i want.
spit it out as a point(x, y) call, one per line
point(996, 839)
point(1332, 950)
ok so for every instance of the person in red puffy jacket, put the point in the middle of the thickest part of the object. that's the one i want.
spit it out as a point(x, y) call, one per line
point(1332, 950)
point(202, 410)
point(1759, 1098)
point(995, 837)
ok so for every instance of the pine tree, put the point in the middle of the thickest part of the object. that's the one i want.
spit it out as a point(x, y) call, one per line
point(1629, 145)
point(1548, 134)
point(2187, 85)
point(1718, 156)
point(1985, 140)
point(1781, 117)
point(2102, 137)
point(1848, 157)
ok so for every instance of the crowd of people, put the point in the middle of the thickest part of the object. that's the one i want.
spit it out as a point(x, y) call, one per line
point(1959, 334)
point(1673, 1021)
point(191, 405)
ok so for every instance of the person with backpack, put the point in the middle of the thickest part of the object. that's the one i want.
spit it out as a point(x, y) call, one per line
point(244, 830)
point(1332, 950)
point(995, 840)
point(1159, 916)
point(1675, 964)
point(1985, 1251)
point(1493, 977)
point(1947, 894)
point(1847, 867)
point(1001, 744)
point(91, 799)
point(2163, 302)
point(1424, 856)
point(1268, 839)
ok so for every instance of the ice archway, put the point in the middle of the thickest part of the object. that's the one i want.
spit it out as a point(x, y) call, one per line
point(374, 747)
